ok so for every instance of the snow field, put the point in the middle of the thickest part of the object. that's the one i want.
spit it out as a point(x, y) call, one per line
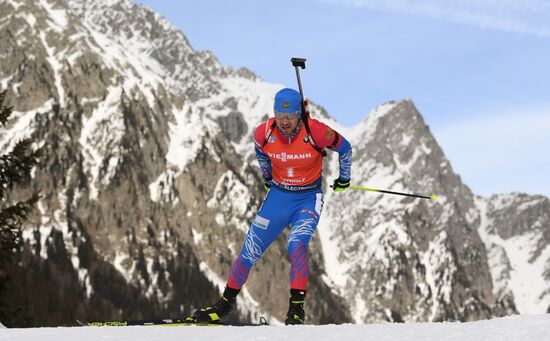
point(519, 327)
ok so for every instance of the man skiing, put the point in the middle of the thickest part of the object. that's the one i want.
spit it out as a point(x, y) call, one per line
point(290, 149)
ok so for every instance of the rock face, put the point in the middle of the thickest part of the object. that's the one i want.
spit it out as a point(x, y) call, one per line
point(149, 183)
point(400, 258)
point(516, 231)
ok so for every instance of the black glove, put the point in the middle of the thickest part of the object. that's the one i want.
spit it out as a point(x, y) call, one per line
point(340, 185)
point(268, 183)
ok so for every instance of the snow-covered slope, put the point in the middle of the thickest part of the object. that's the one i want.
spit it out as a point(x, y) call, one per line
point(524, 328)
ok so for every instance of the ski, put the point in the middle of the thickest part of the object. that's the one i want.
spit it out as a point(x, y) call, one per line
point(169, 323)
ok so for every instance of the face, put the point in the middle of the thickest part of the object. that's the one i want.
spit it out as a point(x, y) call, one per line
point(286, 124)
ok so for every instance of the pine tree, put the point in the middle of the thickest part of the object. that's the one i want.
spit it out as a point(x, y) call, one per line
point(15, 169)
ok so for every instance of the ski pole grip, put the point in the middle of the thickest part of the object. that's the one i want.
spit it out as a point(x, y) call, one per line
point(298, 62)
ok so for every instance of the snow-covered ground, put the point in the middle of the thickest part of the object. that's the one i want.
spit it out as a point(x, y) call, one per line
point(519, 327)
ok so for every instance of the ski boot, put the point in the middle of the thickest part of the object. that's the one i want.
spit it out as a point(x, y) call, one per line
point(296, 313)
point(218, 311)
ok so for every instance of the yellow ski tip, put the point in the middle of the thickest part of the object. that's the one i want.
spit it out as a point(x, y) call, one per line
point(434, 197)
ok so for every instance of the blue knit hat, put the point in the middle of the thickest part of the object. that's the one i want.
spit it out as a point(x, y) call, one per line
point(288, 100)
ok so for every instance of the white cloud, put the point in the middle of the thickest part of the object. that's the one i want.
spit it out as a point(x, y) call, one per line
point(524, 16)
point(501, 153)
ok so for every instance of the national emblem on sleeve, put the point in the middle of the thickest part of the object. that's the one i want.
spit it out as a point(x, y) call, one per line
point(330, 133)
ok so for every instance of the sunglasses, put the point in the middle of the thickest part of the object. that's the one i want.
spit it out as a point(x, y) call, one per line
point(288, 115)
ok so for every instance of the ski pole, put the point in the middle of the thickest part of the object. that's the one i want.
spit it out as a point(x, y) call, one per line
point(433, 196)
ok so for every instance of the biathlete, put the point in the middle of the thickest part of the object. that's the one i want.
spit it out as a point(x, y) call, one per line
point(290, 149)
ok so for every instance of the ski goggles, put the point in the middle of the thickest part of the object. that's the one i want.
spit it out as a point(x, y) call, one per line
point(288, 115)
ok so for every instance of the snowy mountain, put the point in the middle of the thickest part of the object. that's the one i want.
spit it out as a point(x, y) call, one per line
point(149, 183)
point(406, 259)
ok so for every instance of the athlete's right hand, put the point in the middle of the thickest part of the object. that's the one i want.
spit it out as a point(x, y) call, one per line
point(267, 184)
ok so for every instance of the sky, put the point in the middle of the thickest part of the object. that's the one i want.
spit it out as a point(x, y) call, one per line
point(477, 70)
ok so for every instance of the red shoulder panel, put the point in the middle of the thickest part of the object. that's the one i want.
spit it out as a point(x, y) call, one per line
point(323, 135)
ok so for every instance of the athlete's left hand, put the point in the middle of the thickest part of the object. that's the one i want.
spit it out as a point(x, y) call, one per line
point(340, 185)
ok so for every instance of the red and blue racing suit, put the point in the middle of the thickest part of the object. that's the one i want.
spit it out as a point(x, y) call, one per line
point(293, 167)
